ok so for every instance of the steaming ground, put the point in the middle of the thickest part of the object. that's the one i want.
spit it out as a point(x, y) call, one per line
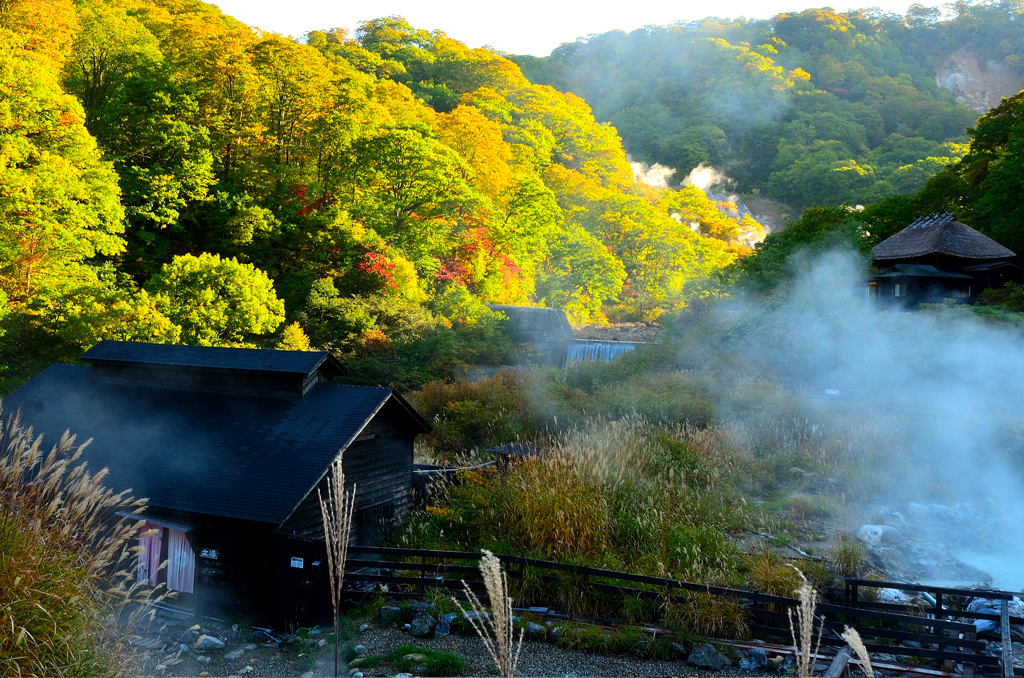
point(935, 404)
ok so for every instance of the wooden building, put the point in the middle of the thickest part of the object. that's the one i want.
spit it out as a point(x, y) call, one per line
point(937, 258)
point(230, 447)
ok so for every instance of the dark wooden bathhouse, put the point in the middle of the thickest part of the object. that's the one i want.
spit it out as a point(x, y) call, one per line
point(937, 258)
point(230, 446)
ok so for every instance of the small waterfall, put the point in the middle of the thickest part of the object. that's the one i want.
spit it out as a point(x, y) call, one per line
point(589, 349)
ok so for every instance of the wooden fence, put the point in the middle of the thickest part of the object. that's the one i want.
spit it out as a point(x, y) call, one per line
point(954, 640)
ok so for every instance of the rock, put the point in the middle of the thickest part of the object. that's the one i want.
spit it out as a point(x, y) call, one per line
point(292, 639)
point(705, 656)
point(890, 517)
point(390, 615)
point(876, 535)
point(536, 632)
point(402, 675)
point(363, 628)
point(679, 651)
point(355, 673)
point(473, 615)
point(422, 626)
point(555, 634)
point(515, 620)
point(444, 624)
point(359, 650)
point(307, 674)
point(415, 657)
point(756, 659)
point(234, 654)
point(209, 643)
point(416, 609)
point(161, 667)
point(917, 511)
point(247, 669)
point(912, 643)
point(249, 647)
point(202, 658)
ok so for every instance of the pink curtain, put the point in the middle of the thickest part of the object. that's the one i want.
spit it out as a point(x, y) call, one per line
point(149, 554)
point(181, 562)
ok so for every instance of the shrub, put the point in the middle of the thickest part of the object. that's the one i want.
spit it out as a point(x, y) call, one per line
point(66, 568)
point(848, 556)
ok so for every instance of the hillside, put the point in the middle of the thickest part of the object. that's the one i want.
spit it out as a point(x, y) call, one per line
point(174, 175)
point(809, 108)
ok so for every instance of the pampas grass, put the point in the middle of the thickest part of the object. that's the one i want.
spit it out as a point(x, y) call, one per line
point(803, 633)
point(67, 570)
point(851, 636)
point(495, 630)
point(336, 512)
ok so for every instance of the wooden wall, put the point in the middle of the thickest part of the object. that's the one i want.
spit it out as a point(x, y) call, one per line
point(379, 463)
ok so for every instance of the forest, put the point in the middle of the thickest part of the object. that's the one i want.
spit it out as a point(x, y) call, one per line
point(808, 108)
point(170, 174)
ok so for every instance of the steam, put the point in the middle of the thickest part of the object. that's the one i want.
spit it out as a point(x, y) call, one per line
point(704, 177)
point(652, 175)
point(940, 394)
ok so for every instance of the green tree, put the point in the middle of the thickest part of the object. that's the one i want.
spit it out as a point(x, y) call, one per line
point(217, 302)
point(59, 202)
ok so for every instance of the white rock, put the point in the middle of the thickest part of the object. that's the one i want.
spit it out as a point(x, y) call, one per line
point(876, 535)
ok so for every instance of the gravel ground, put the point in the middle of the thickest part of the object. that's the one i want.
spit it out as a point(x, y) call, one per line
point(537, 659)
point(265, 660)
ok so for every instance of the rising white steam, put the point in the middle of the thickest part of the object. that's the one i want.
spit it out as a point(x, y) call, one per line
point(704, 177)
point(944, 393)
point(652, 175)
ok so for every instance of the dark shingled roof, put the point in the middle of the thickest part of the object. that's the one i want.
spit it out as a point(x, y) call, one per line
point(253, 359)
point(248, 457)
point(940, 234)
point(919, 271)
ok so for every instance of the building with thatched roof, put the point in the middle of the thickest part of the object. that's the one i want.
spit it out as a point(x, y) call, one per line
point(937, 258)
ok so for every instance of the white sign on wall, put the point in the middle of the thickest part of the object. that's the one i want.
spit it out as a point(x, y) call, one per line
point(297, 562)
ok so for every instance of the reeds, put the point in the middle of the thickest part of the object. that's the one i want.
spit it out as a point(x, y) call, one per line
point(851, 636)
point(67, 571)
point(336, 512)
point(496, 629)
point(803, 632)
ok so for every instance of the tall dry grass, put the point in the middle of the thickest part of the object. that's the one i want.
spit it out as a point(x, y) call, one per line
point(804, 643)
point(336, 512)
point(495, 629)
point(67, 572)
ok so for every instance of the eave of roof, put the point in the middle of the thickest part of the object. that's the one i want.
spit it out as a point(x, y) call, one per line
point(919, 271)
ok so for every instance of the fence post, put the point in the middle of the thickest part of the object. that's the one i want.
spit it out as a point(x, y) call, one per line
point(1004, 620)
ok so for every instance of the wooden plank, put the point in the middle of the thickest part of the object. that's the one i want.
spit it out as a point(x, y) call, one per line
point(900, 586)
point(839, 664)
point(1004, 613)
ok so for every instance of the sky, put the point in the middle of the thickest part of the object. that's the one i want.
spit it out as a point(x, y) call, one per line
point(522, 27)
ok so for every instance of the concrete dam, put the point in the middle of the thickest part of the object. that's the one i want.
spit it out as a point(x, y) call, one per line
point(548, 329)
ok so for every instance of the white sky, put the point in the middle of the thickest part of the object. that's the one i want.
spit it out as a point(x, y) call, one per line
point(517, 26)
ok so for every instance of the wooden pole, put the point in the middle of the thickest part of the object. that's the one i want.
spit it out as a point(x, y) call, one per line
point(1004, 618)
point(839, 664)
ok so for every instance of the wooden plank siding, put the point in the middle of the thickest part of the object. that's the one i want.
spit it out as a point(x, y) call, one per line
point(379, 462)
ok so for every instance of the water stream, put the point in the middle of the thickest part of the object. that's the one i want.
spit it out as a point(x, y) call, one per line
point(591, 349)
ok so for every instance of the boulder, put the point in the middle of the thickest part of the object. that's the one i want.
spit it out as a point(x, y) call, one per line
point(444, 624)
point(679, 652)
point(390, 615)
point(755, 660)
point(536, 632)
point(234, 654)
point(359, 650)
point(555, 634)
point(422, 626)
point(474, 616)
point(705, 656)
point(209, 643)
point(876, 535)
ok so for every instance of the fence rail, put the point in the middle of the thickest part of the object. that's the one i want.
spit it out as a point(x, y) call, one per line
point(955, 640)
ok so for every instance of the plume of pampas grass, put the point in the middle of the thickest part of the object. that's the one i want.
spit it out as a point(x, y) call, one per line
point(496, 631)
point(336, 511)
point(851, 636)
point(805, 624)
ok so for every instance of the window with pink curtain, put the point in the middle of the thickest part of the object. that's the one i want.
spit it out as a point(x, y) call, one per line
point(181, 562)
point(149, 554)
